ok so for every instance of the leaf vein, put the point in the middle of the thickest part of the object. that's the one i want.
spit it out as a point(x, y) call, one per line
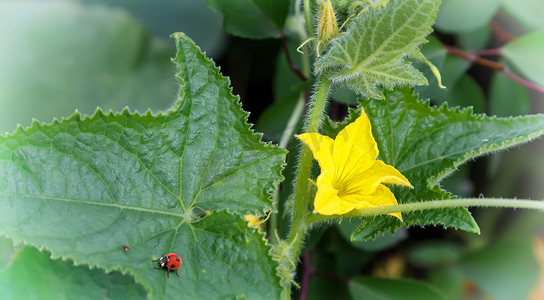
point(90, 202)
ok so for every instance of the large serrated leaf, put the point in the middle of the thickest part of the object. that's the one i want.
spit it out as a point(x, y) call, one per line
point(426, 144)
point(372, 52)
point(174, 182)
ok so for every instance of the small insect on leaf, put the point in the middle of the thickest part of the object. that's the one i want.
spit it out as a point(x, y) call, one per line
point(169, 262)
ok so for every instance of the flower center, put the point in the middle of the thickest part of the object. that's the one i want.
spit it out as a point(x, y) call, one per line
point(338, 188)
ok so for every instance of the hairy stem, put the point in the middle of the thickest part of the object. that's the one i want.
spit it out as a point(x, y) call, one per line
point(434, 204)
point(284, 141)
point(300, 207)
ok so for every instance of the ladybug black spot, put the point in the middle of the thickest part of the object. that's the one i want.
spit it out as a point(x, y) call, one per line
point(178, 259)
point(172, 266)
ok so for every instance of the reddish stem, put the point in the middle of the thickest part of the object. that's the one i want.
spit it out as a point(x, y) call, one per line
point(474, 58)
point(292, 65)
point(522, 81)
point(489, 52)
point(307, 272)
point(501, 33)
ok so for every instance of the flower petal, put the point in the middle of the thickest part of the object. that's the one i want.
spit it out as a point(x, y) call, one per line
point(354, 148)
point(327, 201)
point(381, 197)
point(321, 147)
point(365, 182)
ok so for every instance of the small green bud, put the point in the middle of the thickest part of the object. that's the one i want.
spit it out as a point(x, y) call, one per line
point(326, 27)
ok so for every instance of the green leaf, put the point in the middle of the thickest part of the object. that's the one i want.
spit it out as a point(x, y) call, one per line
point(458, 218)
point(504, 270)
point(344, 95)
point(526, 12)
point(323, 288)
point(83, 187)
point(162, 17)
point(68, 56)
point(465, 15)
point(7, 252)
point(427, 144)
point(372, 52)
point(525, 53)
point(33, 275)
point(287, 85)
point(476, 39)
point(449, 280)
point(252, 18)
point(466, 93)
point(273, 119)
point(392, 289)
point(288, 88)
point(346, 227)
point(436, 54)
point(508, 98)
point(452, 69)
point(434, 253)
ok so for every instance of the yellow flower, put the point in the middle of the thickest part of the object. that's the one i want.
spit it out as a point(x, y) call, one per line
point(351, 177)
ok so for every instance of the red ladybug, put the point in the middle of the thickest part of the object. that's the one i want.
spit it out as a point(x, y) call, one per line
point(170, 262)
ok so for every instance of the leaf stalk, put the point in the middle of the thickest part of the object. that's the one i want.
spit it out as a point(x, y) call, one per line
point(434, 204)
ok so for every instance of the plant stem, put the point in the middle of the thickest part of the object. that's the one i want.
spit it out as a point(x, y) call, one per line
point(501, 33)
point(290, 62)
point(297, 113)
point(489, 52)
point(434, 204)
point(474, 58)
point(307, 272)
point(308, 18)
point(284, 141)
point(298, 229)
point(522, 81)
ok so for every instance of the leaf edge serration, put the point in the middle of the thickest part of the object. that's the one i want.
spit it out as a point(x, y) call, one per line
point(334, 70)
point(99, 112)
point(182, 41)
